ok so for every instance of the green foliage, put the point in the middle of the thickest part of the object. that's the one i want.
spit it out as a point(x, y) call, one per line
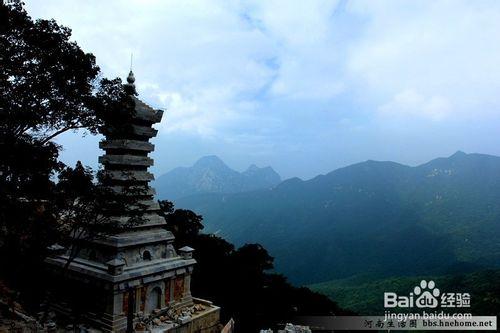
point(374, 217)
point(48, 86)
point(239, 280)
point(27, 223)
point(82, 208)
point(364, 294)
point(47, 80)
point(184, 224)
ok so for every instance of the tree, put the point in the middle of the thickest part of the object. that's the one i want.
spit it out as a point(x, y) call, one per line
point(183, 223)
point(27, 224)
point(84, 208)
point(80, 207)
point(48, 86)
point(239, 280)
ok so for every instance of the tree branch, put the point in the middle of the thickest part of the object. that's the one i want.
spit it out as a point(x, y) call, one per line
point(62, 130)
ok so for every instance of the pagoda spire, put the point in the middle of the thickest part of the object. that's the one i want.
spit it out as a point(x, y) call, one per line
point(130, 85)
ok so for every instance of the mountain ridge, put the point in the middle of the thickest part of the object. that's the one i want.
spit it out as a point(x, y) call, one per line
point(210, 174)
point(360, 216)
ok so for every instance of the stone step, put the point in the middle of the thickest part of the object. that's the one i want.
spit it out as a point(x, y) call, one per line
point(146, 220)
point(145, 205)
point(144, 131)
point(145, 112)
point(136, 237)
point(127, 145)
point(126, 160)
point(133, 190)
point(129, 175)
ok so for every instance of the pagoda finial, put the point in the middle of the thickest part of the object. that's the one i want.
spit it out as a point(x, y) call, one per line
point(131, 77)
point(130, 86)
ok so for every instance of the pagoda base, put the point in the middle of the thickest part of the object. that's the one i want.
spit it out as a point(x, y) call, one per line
point(156, 295)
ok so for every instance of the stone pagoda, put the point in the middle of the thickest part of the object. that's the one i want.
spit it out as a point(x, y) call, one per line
point(135, 277)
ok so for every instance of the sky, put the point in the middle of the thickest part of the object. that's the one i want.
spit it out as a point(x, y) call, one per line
point(303, 86)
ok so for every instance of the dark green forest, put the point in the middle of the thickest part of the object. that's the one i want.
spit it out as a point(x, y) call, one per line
point(377, 218)
point(364, 294)
point(238, 279)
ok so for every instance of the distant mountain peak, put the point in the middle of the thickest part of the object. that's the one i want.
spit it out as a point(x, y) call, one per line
point(253, 167)
point(458, 153)
point(209, 161)
point(211, 175)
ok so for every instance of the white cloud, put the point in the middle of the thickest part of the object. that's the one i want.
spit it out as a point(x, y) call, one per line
point(411, 103)
point(215, 55)
point(257, 75)
point(198, 59)
point(307, 53)
point(443, 51)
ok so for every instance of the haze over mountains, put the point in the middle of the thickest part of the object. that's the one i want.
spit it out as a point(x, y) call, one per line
point(378, 218)
point(211, 175)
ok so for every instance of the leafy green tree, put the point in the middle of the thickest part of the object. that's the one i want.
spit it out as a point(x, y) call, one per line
point(81, 207)
point(48, 86)
point(240, 281)
point(47, 83)
point(183, 223)
point(27, 223)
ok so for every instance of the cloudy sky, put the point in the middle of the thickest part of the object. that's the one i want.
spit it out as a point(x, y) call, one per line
point(303, 86)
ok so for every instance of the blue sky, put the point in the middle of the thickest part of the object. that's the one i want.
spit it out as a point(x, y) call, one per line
point(303, 86)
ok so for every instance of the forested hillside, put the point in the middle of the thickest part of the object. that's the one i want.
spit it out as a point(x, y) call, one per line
point(372, 217)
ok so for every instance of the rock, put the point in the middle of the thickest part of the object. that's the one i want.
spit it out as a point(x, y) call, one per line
point(83, 329)
point(51, 326)
point(184, 319)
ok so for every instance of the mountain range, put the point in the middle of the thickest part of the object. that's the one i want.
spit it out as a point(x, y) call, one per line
point(211, 175)
point(378, 218)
